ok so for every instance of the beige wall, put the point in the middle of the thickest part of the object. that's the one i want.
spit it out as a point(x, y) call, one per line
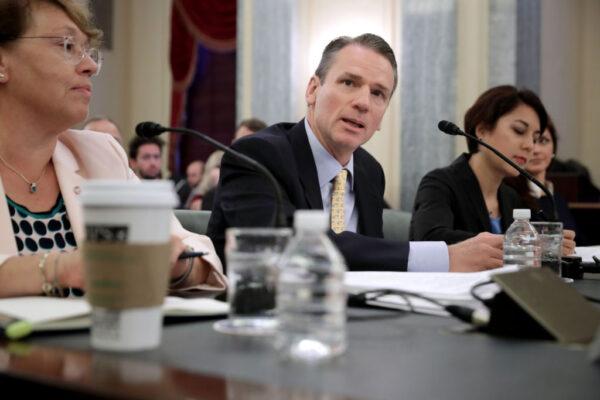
point(135, 82)
point(472, 58)
point(590, 88)
point(570, 77)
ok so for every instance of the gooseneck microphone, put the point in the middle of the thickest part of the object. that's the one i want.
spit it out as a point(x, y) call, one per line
point(150, 129)
point(451, 129)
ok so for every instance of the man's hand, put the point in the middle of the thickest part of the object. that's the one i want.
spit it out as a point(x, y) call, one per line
point(568, 242)
point(479, 253)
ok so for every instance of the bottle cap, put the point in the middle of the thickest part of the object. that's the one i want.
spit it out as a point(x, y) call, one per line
point(521, 213)
point(311, 220)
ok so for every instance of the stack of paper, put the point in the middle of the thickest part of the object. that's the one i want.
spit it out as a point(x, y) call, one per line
point(446, 287)
point(50, 313)
point(586, 253)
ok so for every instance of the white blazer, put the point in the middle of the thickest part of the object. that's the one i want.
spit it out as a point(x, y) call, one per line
point(82, 155)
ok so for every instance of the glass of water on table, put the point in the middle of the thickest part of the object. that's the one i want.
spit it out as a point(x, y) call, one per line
point(550, 237)
point(252, 256)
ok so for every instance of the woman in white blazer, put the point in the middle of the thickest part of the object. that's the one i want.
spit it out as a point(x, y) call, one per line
point(47, 60)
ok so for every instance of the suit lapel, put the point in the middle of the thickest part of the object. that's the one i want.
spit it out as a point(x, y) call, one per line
point(506, 209)
point(305, 163)
point(366, 200)
point(469, 183)
point(69, 180)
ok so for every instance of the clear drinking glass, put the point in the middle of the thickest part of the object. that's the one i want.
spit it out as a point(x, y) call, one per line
point(550, 236)
point(252, 255)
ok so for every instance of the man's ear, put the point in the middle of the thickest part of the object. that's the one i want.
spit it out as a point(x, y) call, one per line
point(311, 90)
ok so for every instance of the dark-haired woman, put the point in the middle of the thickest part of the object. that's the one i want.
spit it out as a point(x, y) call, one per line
point(468, 197)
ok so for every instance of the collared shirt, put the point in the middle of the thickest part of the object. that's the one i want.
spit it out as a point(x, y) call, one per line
point(422, 256)
point(327, 169)
point(496, 224)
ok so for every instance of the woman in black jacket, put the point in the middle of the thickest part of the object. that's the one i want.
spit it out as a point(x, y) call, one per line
point(469, 196)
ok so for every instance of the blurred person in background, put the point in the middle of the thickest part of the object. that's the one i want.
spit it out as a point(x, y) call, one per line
point(145, 157)
point(248, 127)
point(203, 194)
point(544, 152)
point(193, 174)
point(105, 125)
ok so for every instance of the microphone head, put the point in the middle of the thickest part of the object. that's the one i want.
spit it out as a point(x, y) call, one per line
point(149, 129)
point(449, 128)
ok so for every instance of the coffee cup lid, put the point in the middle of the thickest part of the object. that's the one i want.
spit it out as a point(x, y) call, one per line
point(111, 193)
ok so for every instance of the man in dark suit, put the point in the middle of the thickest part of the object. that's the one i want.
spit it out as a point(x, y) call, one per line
point(346, 98)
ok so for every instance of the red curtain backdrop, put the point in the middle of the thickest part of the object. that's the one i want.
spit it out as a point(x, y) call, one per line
point(206, 24)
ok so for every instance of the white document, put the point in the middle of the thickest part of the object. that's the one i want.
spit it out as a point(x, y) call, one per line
point(69, 313)
point(587, 252)
point(446, 287)
point(42, 309)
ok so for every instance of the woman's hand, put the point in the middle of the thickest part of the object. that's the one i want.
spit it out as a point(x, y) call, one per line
point(178, 267)
point(68, 269)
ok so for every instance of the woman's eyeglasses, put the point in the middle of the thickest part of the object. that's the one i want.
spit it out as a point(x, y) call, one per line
point(74, 52)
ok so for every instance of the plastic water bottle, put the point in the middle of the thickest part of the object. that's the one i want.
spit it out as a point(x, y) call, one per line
point(311, 299)
point(521, 242)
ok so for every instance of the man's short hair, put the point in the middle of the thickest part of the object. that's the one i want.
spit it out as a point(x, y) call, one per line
point(367, 40)
point(138, 141)
point(253, 124)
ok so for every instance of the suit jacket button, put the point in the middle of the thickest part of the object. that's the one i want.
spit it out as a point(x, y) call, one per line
point(77, 190)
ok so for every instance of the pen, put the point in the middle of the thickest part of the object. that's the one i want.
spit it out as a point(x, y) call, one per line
point(191, 254)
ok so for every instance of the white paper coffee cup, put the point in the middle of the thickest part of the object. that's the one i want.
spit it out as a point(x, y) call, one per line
point(124, 222)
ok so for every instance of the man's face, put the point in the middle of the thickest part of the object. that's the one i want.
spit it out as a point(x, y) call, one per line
point(345, 109)
point(148, 161)
point(193, 173)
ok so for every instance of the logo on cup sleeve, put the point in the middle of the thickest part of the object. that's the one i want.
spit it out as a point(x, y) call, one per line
point(106, 233)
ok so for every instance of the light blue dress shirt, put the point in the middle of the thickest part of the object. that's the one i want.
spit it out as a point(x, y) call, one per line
point(422, 257)
point(327, 169)
point(496, 225)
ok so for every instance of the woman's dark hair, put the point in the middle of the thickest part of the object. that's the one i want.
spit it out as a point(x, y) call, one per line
point(15, 17)
point(552, 129)
point(496, 102)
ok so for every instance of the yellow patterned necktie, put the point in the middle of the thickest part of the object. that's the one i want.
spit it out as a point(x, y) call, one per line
point(338, 222)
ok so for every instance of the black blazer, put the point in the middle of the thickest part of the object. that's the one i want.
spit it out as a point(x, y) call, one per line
point(449, 205)
point(244, 198)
